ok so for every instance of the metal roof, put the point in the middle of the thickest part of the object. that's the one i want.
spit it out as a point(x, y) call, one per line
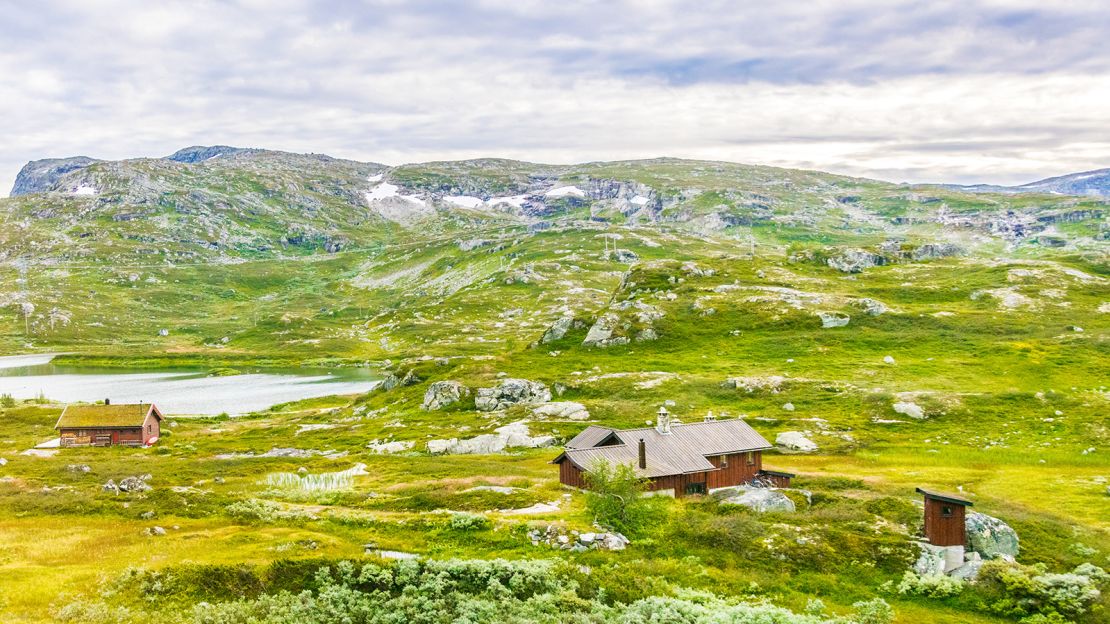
point(121, 415)
point(682, 451)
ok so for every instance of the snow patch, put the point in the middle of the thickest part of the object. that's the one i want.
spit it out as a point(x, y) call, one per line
point(564, 191)
point(517, 201)
point(377, 177)
point(640, 200)
point(465, 201)
point(84, 189)
point(382, 191)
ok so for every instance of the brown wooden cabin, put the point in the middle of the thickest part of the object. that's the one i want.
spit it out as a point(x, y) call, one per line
point(677, 459)
point(136, 424)
point(944, 518)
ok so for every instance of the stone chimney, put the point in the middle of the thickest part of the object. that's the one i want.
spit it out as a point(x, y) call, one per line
point(643, 455)
point(663, 421)
point(710, 417)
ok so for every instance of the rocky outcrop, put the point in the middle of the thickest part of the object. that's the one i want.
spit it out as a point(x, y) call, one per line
point(855, 260)
point(440, 394)
point(558, 330)
point(561, 410)
point(913, 410)
point(931, 251)
point(833, 319)
point(756, 498)
point(514, 435)
point(510, 392)
point(990, 537)
point(574, 541)
point(39, 176)
point(128, 484)
point(625, 320)
point(795, 441)
point(200, 153)
point(601, 333)
point(870, 307)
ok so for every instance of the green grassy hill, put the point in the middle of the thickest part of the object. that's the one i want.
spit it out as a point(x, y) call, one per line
point(715, 281)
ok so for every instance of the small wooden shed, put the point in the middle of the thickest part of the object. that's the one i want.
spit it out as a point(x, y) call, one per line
point(135, 424)
point(944, 518)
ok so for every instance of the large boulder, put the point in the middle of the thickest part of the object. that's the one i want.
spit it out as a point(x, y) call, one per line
point(833, 319)
point(795, 441)
point(913, 410)
point(990, 537)
point(855, 260)
point(870, 306)
point(513, 435)
point(601, 334)
point(557, 330)
point(443, 393)
point(510, 392)
point(561, 410)
point(759, 499)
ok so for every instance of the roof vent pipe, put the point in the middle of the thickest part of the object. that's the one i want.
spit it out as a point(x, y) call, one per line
point(710, 417)
point(643, 455)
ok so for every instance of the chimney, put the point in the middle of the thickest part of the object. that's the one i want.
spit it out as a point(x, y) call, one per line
point(710, 417)
point(643, 455)
point(107, 401)
point(663, 421)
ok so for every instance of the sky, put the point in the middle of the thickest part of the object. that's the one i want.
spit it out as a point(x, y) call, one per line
point(995, 91)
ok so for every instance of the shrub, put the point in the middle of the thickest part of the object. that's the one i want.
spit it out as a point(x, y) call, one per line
point(930, 585)
point(257, 510)
point(462, 521)
point(615, 496)
point(6, 400)
point(1015, 590)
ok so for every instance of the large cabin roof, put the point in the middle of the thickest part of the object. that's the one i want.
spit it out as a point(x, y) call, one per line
point(684, 450)
point(121, 415)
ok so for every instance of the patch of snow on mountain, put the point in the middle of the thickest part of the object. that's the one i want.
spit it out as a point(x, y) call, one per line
point(563, 191)
point(514, 200)
point(377, 177)
point(640, 200)
point(465, 201)
point(384, 191)
point(84, 189)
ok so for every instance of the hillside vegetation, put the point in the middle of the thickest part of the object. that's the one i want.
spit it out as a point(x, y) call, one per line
point(799, 300)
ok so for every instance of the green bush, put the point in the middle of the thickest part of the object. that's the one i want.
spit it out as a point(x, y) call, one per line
point(930, 585)
point(1015, 590)
point(462, 521)
point(615, 497)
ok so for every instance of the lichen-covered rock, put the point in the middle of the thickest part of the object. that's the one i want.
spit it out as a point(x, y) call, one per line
point(561, 410)
point(385, 448)
point(795, 441)
point(601, 333)
point(510, 392)
point(913, 410)
point(557, 330)
point(833, 319)
point(513, 435)
point(871, 307)
point(855, 260)
point(443, 393)
point(990, 537)
point(759, 499)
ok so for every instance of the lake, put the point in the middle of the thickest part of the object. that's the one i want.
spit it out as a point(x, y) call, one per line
point(175, 391)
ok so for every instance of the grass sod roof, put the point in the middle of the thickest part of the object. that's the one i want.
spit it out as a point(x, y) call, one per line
point(123, 415)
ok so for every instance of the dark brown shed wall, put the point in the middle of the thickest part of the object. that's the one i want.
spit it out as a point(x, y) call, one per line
point(943, 530)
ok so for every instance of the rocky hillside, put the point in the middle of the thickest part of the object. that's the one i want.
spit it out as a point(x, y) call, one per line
point(226, 248)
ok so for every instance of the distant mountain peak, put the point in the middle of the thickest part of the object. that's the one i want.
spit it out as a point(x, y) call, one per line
point(39, 176)
point(1095, 182)
point(201, 153)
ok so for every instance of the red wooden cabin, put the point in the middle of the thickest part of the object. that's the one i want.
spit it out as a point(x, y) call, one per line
point(677, 459)
point(137, 424)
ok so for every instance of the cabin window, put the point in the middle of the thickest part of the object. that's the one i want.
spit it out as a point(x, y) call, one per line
point(751, 458)
point(695, 488)
point(723, 461)
point(149, 428)
point(946, 511)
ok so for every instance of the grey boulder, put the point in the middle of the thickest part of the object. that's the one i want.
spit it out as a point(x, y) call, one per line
point(511, 392)
point(440, 394)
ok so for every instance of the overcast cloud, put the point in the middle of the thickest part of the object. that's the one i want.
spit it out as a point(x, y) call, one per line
point(1000, 91)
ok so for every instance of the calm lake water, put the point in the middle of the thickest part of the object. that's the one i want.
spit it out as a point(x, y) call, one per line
point(175, 391)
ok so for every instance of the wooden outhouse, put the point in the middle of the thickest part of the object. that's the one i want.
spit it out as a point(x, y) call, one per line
point(944, 518)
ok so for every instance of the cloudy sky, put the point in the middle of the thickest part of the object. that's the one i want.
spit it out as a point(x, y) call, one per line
point(999, 91)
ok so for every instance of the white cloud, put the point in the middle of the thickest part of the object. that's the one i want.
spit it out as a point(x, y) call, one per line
point(993, 91)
